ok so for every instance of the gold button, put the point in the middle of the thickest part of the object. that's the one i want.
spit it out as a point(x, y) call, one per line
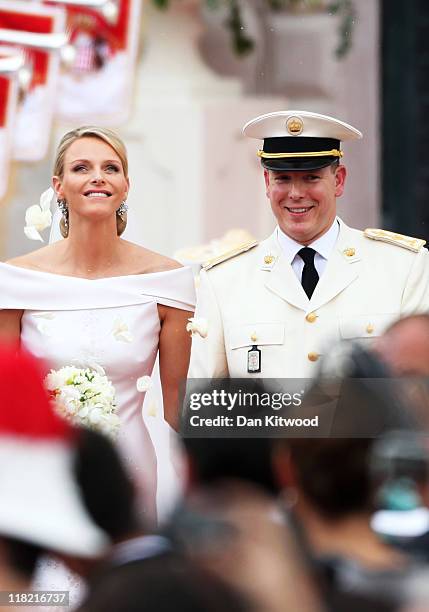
point(349, 252)
point(369, 328)
point(268, 259)
point(254, 337)
point(311, 317)
point(313, 356)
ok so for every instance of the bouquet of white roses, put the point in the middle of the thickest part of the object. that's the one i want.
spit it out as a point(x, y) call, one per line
point(85, 397)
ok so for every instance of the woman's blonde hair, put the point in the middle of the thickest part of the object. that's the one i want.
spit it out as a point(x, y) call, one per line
point(90, 131)
point(107, 136)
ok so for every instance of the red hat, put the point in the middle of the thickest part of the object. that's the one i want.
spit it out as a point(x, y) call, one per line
point(40, 501)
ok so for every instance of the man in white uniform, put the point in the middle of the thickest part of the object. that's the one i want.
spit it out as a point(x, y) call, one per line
point(274, 308)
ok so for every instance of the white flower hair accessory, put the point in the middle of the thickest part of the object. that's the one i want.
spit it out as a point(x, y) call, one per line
point(38, 217)
point(198, 326)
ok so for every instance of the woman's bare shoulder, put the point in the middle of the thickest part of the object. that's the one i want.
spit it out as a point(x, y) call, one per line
point(149, 261)
point(41, 259)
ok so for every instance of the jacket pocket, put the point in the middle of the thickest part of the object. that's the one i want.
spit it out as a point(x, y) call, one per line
point(259, 334)
point(365, 325)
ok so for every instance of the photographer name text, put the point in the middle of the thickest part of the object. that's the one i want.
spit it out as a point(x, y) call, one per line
point(240, 420)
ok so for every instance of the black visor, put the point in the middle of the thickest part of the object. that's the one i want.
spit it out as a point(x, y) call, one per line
point(290, 145)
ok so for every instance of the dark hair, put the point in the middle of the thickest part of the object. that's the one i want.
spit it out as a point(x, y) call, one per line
point(105, 486)
point(333, 474)
point(21, 556)
point(161, 584)
point(217, 459)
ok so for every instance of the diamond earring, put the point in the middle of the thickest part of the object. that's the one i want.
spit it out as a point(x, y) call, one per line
point(62, 205)
point(122, 209)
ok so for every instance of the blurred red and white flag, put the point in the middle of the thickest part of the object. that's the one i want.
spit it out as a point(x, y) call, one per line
point(11, 62)
point(40, 31)
point(97, 84)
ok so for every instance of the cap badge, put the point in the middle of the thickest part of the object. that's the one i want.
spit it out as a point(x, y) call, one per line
point(294, 126)
point(349, 252)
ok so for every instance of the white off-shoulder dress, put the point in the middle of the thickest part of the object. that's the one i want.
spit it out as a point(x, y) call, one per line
point(111, 322)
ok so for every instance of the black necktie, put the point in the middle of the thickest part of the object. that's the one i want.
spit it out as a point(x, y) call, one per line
point(309, 278)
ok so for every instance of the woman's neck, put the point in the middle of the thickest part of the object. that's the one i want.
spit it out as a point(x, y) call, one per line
point(92, 250)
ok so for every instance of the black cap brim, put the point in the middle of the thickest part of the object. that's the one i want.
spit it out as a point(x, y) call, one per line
point(297, 164)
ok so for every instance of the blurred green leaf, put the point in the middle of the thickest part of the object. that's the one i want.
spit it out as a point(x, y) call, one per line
point(244, 44)
point(161, 4)
point(213, 5)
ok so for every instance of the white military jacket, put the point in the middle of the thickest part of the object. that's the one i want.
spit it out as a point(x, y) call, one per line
point(255, 299)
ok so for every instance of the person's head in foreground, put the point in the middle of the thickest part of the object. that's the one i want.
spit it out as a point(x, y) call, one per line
point(231, 509)
point(330, 481)
point(164, 584)
point(404, 346)
point(303, 175)
point(109, 497)
point(41, 508)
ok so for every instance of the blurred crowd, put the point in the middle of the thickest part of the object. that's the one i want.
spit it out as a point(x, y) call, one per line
point(338, 522)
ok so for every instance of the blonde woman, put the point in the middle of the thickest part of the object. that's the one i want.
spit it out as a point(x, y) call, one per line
point(95, 299)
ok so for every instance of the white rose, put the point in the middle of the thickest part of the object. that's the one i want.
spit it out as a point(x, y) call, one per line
point(198, 326)
point(57, 378)
point(71, 392)
point(95, 416)
point(110, 426)
point(39, 215)
point(121, 332)
point(91, 366)
point(83, 412)
point(70, 405)
point(69, 374)
point(144, 383)
point(38, 218)
point(54, 380)
point(86, 397)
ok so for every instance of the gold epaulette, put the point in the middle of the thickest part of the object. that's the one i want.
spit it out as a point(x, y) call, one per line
point(407, 242)
point(229, 254)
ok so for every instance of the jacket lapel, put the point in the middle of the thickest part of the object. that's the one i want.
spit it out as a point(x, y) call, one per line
point(341, 270)
point(281, 278)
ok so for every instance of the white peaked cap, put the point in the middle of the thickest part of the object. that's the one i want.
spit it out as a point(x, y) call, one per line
point(313, 125)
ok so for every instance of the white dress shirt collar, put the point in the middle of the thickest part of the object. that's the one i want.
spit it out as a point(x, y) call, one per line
point(323, 245)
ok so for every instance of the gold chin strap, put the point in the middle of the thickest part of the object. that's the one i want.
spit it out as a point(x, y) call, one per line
point(331, 153)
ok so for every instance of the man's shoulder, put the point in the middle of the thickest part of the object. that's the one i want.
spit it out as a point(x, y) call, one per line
point(410, 243)
point(382, 240)
point(232, 256)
